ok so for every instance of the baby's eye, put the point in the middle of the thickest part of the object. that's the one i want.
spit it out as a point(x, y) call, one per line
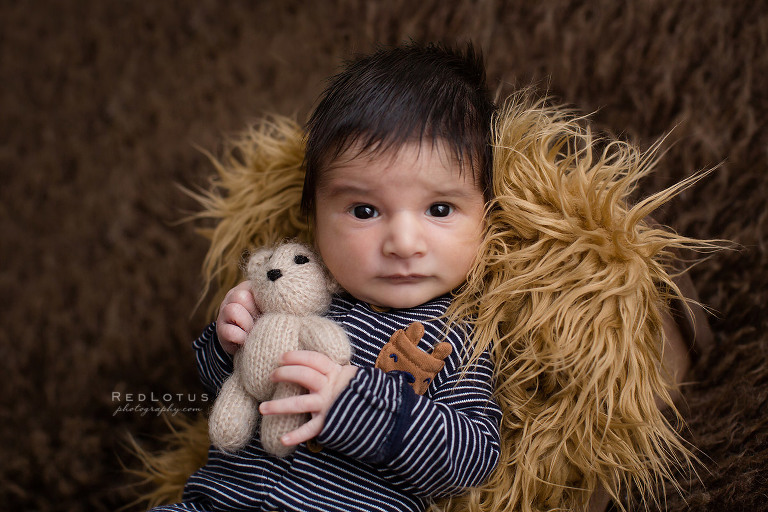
point(364, 211)
point(300, 259)
point(440, 210)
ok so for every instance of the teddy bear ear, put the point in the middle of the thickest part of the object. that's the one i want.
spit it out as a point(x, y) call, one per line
point(415, 331)
point(333, 286)
point(257, 259)
point(442, 350)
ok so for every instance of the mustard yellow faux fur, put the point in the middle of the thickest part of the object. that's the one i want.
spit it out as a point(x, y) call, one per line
point(568, 291)
point(253, 200)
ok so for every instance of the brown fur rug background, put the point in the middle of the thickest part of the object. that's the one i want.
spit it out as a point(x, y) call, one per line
point(105, 102)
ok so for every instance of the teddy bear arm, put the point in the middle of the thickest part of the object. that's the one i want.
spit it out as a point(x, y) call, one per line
point(234, 416)
point(325, 336)
point(274, 426)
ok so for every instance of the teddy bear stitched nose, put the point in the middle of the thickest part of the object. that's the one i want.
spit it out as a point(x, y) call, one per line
point(274, 274)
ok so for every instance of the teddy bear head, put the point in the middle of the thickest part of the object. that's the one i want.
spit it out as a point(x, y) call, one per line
point(290, 278)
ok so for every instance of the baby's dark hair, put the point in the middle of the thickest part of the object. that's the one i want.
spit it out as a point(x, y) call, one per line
point(403, 94)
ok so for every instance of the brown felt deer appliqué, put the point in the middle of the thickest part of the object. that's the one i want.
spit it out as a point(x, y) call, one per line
point(402, 354)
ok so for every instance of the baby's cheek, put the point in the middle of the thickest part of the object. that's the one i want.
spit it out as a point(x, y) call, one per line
point(340, 262)
point(352, 277)
point(464, 251)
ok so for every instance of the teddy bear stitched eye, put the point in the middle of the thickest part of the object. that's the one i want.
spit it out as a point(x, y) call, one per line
point(393, 357)
point(300, 259)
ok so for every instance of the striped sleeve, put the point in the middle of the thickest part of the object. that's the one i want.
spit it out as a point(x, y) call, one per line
point(429, 448)
point(214, 364)
point(369, 419)
point(449, 445)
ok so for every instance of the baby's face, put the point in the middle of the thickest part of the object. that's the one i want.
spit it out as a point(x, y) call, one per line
point(398, 230)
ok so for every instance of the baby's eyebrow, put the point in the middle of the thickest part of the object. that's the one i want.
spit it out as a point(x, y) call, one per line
point(340, 189)
point(457, 192)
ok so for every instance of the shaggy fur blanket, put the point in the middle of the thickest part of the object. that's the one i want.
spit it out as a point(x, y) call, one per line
point(105, 105)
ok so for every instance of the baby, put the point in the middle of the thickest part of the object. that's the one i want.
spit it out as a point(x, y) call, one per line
point(398, 173)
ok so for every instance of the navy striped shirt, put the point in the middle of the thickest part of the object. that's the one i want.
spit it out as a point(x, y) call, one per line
point(384, 447)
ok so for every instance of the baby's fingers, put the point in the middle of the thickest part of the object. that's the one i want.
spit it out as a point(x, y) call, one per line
point(298, 404)
point(307, 431)
point(242, 294)
point(231, 331)
point(232, 326)
point(236, 314)
point(310, 359)
point(304, 376)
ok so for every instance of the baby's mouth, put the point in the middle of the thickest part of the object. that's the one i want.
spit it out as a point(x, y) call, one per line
point(404, 278)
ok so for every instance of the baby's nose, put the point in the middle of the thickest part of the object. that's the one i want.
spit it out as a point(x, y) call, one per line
point(274, 274)
point(405, 238)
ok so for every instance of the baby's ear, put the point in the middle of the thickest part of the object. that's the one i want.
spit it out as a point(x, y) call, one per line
point(257, 259)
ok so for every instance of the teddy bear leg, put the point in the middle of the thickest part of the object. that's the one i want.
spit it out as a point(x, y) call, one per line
point(234, 416)
point(273, 427)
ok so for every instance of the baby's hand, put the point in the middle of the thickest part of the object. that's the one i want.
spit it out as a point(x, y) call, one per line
point(324, 380)
point(237, 314)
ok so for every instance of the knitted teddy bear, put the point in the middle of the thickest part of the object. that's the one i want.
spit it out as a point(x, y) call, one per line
point(291, 289)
